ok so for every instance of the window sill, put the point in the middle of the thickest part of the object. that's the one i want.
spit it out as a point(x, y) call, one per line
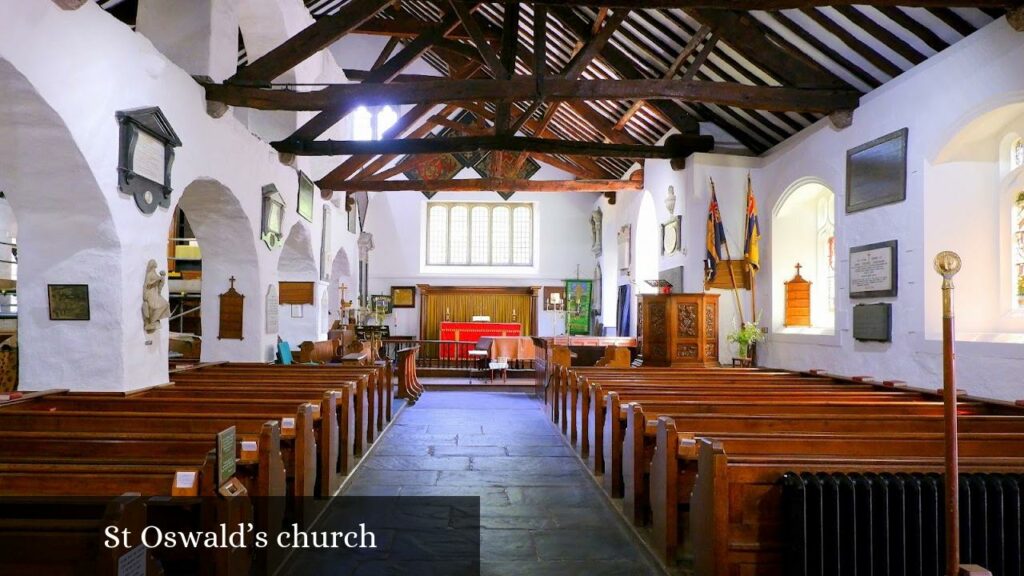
point(808, 335)
point(990, 344)
point(478, 270)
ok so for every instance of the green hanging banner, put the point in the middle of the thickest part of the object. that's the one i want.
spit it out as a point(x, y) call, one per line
point(577, 307)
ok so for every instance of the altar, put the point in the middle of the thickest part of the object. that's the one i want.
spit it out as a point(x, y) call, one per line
point(472, 332)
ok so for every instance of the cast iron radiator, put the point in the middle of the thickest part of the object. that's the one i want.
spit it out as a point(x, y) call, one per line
point(894, 524)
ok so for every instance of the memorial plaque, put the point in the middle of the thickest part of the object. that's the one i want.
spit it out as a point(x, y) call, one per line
point(147, 144)
point(231, 312)
point(272, 305)
point(872, 322)
point(225, 455)
point(873, 270)
point(876, 172)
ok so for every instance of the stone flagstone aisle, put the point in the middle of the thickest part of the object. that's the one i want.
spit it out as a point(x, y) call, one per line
point(540, 513)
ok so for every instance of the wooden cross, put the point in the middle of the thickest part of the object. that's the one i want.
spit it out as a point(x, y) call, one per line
point(232, 280)
point(798, 267)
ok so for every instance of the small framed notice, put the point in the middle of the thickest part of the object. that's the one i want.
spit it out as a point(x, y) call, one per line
point(873, 270)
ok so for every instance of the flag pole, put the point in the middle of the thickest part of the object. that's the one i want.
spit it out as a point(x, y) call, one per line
point(750, 267)
point(728, 264)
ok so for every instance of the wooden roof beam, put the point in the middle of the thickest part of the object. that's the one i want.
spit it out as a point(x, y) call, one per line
point(521, 89)
point(779, 59)
point(617, 60)
point(484, 185)
point(747, 5)
point(676, 146)
point(332, 113)
point(312, 39)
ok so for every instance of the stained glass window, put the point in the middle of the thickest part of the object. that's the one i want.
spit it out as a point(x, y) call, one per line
point(480, 234)
point(1018, 250)
point(1017, 154)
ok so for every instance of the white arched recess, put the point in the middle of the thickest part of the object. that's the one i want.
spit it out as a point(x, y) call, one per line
point(60, 143)
point(299, 323)
point(225, 235)
point(341, 273)
point(803, 232)
point(67, 236)
point(970, 207)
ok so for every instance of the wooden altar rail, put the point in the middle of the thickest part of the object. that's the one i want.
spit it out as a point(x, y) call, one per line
point(444, 354)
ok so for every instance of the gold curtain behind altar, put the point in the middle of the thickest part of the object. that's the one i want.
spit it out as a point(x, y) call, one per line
point(461, 307)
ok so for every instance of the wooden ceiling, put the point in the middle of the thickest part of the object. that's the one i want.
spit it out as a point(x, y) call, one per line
point(590, 86)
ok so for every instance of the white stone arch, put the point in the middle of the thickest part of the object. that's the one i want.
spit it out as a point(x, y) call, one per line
point(225, 235)
point(341, 273)
point(970, 192)
point(297, 264)
point(264, 25)
point(798, 219)
point(67, 236)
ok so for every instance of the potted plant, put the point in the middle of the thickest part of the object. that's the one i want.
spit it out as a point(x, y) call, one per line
point(745, 336)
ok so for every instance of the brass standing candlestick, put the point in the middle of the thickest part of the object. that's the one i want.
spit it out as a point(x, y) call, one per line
point(947, 264)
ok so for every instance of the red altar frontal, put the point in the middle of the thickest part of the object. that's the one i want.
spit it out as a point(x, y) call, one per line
point(473, 332)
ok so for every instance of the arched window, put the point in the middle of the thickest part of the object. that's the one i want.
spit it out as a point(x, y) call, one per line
point(386, 118)
point(1018, 250)
point(804, 233)
point(825, 273)
point(1017, 154)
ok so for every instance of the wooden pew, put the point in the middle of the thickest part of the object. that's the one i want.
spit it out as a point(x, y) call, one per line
point(373, 389)
point(380, 378)
point(180, 487)
point(584, 419)
point(360, 424)
point(299, 454)
point(66, 537)
point(610, 435)
point(346, 413)
point(576, 404)
point(736, 496)
point(409, 386)
point(319, 352)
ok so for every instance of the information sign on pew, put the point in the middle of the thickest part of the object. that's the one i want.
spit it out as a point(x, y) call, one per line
point(225, 455)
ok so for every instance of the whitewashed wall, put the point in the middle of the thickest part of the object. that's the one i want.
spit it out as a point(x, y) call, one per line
point(955, 201)
point(934, 110)
point(52, 76)
point(396, 221)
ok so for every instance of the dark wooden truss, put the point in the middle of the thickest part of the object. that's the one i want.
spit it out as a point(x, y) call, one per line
point(593, 86)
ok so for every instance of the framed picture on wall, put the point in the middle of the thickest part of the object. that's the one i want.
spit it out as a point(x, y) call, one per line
point(68, 301)
point(381, 302)
point(305, 203)
point(876, 172)
point(403, 296)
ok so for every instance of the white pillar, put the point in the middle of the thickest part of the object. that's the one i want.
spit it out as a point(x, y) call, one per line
point(200, 36)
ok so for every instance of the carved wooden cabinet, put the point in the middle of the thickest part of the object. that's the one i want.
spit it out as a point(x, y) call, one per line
point(798, 301)
point(678, 329)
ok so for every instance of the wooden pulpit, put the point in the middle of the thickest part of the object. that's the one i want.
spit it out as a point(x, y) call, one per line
point(678, 329)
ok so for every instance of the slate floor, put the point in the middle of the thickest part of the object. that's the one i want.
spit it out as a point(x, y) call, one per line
point(540, 512)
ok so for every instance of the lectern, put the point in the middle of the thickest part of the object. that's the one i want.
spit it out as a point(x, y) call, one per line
point(678, 329)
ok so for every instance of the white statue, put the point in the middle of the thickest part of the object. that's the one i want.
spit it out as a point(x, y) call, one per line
point(365, 245)
point(154, 307)
point(670, 200)
point(596, 218)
